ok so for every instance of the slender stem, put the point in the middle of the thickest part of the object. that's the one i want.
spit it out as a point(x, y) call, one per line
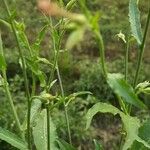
point(126, 60)
point(48, 128)
point(6, 87)
point(142, 47)
point(56, 45)
point(122, 105)
point(65, 108)
point(24, 73)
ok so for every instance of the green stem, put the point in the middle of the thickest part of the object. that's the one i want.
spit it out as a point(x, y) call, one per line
point(48, 128)
point(122, 105)
point(142, 47)
point(65, 108)
point(24, 73)
point(7, 91)
point(56, 44)
point(126, 60)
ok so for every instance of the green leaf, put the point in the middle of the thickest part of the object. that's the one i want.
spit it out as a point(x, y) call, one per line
point(98, 146)
point(35, 110)
point(34, 67)
point(134, 18)
point(63, 145)
point(144, 133)
point(131, 124)
point(75, 37)
point(73, 96)
point(39, 38)
point(40, 132)
point(12, 139)
point(123, 89)
point(2, 58)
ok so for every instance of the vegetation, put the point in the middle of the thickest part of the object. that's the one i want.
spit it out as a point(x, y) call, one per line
point(56, 75)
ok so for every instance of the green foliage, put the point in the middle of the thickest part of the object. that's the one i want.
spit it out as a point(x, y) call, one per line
point(98, 146)
point(12, 139)
point(47, 67)
point(64, 145)
point(40, 132)
point(134, 17)
point(130, 128)
point(92, 80)
point(2, 59)
point(144, 134)
point(123, 89)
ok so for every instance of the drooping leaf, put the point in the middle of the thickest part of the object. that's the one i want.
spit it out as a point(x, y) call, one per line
point(123, 89)
point(131, 124)
point(40, 132)
point(12, 139)
point(63, 145)
point(2, 59)
point(134, 18)
point(74, 38)
point(98, 146)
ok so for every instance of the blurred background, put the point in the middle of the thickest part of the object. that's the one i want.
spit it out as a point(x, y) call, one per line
point(80, 70)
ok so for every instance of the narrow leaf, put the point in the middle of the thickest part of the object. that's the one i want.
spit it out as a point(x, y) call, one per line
point(123, 89)
point(134, 18)
point(12, 139)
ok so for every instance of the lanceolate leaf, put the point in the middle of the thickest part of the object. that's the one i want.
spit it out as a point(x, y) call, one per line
point(123, 89)
point(134, 18)
point(131, 124)
point(12, 139)
point(40, 132)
